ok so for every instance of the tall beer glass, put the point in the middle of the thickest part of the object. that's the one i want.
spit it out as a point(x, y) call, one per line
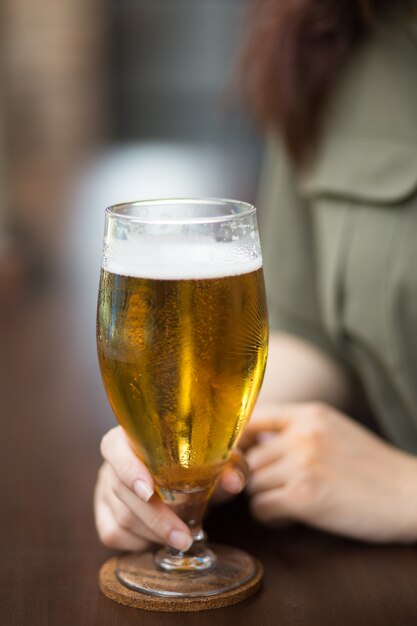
point(182, 338)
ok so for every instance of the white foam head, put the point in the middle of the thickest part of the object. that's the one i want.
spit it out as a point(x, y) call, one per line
point(178, 257)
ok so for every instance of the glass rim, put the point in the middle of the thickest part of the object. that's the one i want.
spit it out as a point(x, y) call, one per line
point(118, 210)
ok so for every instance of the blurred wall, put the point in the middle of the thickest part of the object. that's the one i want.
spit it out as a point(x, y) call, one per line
point(81, 80)
point(173, 70)
point(3, 192)
point(3, 189)
point(52, 112)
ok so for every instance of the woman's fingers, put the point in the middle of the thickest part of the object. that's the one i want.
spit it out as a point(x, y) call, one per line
point(265, 421)
point(117, 451)
point(268, 451)
point(121, 516)
point(271, 507)
point(268, 417)
point(272, 476)
point(109, 531)
point(127, 520)
point(124, 516)
point(159, 520)
point(235, 474)
point(247, 439)
point(113, 535)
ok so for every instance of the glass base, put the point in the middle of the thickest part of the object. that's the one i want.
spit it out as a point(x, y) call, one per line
point(230, 569)
point(198, 558)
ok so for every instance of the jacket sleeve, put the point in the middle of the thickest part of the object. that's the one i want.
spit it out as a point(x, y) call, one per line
point(288, 253)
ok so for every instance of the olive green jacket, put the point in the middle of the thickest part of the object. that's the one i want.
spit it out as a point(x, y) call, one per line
point(340, 239)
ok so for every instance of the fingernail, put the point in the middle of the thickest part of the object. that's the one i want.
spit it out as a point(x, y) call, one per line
point(236, 482)
point(143, 490)
point(180, 540)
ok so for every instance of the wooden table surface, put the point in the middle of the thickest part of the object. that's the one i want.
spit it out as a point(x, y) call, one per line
point(53, 413)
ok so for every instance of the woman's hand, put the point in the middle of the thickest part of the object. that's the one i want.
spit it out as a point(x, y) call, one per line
point(129, 515)
point(314, 464)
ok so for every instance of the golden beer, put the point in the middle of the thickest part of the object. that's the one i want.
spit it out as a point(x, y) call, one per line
point(182, 362)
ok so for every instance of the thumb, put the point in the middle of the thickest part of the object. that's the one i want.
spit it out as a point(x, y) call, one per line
point(235, 475)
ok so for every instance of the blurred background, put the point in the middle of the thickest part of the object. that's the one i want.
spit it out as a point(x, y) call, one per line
point(102, 102)
point(108, 101)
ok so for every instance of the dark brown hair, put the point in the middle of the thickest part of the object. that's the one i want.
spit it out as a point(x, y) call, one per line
point(293, 55)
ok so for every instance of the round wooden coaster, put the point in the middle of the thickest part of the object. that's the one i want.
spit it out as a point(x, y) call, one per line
point(115, 590)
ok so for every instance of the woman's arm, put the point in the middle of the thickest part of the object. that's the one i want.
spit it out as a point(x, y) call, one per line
point(311, 463)
point(320, 467)
point(297, 371)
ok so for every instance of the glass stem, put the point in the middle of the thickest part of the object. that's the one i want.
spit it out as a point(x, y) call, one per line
point(190, 507)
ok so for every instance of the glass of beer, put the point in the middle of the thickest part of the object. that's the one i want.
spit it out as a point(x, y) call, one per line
point(182, 333)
